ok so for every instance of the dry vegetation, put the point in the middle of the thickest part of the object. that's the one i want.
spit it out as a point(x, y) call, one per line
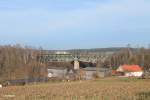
point(103, 89)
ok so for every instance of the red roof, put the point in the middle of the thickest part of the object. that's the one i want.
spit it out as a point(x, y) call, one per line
point(132, 68)
point(113, 72)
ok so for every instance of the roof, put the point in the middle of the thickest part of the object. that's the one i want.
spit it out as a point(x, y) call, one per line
point(113, 72)
point(131, 68)
point(95, 68)
point(57, 68)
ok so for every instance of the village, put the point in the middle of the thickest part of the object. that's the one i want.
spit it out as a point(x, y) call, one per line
point(64, 66)
point(89, 66)
point(91, 72)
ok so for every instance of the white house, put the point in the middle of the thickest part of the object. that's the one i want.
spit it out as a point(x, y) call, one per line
point(135, 74)
point(130, 70)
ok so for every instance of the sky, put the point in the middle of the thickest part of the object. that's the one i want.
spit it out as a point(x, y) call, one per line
point(71, 24)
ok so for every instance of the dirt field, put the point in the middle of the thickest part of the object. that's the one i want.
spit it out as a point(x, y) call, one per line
point(102, 89)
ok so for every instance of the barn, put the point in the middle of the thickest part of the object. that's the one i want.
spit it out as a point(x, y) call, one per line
point(57, 72)
point(91, 71)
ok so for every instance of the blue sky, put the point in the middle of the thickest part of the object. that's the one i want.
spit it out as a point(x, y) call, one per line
point(68, 24)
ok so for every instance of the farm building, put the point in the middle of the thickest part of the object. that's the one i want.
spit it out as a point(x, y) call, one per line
point(57, 72)
point(70, 73)
point(76, 69)
point(130, 70)
point(61, 72)
point(23, 81)
point(91, 71)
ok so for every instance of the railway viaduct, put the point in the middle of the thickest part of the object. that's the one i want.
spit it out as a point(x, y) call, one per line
point(67, 57)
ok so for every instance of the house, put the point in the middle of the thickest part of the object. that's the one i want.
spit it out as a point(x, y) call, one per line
point(130, 70)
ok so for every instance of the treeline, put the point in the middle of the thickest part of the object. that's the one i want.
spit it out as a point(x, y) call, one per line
point(139, 56)
point(95, 51)
point(17, 62)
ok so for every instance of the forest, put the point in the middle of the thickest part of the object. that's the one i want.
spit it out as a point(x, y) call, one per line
point(17, 62)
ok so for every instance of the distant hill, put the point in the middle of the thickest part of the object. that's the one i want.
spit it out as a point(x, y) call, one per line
point(92, 51)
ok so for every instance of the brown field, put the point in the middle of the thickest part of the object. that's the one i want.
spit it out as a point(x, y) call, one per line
point(102, 89)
